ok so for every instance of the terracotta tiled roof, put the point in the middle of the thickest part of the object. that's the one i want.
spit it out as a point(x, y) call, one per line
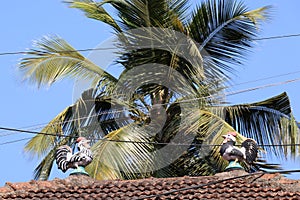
point(271, 186)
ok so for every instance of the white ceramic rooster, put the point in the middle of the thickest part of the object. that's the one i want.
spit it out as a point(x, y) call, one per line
point(247, 153)
point(65, 159)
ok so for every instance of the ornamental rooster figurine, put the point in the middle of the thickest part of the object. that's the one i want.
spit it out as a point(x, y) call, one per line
point(247, 153)
point(65, 159)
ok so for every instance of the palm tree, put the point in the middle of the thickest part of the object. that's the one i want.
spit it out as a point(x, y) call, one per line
point(161, 115)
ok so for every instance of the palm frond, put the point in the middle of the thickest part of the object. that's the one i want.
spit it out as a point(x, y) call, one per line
point(54, 59)
point(266, 126)
point(204, 129)
point(280, 103)
point(257, 15)
point(226, 31)
point(95, 11)
point(122, 160)
point(158, 56)
point(96, 113)
point(46, 144)
point(140, 13)
point(43, 170)
point(268, 122)
point(180, 8)
point(92, 116)
point(41, 143)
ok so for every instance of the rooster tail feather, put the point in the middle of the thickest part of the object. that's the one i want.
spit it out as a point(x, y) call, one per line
point(251, 150)
point(61, 157)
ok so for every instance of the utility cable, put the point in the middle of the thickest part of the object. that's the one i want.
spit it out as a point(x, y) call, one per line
point(113, 48)
point(136, 142)
point(103, 139)
point(266, 78)
point(41, 125)
point(14, 141)
point(183, 101)
point(262, 87)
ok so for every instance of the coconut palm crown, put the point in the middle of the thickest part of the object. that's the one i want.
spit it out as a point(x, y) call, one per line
point(164, 115)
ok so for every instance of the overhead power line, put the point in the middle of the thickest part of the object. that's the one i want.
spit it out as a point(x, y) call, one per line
point(266, 78)
point(14, 141)
point(278, 37)
point(128, 141)
point(103, 139)
point(112, 48)
point(41, 125)
point(263, 86)
point(242, 91)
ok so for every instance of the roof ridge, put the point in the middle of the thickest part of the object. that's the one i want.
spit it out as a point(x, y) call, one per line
point(220, 186)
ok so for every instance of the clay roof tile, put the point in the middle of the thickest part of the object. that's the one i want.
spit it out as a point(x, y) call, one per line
point(83, 187)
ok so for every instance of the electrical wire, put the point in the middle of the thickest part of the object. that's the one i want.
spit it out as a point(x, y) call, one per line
point(7, 134)
point(266, 78)
point(229, 93)
point(60, 134)
point(263, 86)
point(112, 48)
point(278, 37)
point(41, 125)
point(103, 139)
point(200, 185)
point(197, 186)
point(14, 141)
point(216, 182)
point(241, 91)
point(135, 142)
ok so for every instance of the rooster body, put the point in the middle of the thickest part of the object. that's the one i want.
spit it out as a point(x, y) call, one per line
point(247, 153)
point(65, 159)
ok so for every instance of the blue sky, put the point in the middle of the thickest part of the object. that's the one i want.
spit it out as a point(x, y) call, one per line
point(23, 105)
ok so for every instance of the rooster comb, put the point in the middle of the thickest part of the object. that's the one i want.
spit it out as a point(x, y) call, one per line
point(80, 139)
point(232, 133)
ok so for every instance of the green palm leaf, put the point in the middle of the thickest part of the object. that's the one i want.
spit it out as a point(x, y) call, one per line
point(122, 160)
point(45, 143)
point(95, 11)
point(268, 122)
point(94, 115)
point(225, 30)
point(43, 170)
point(42, 143)
point(264, 121)
point(54, 59)
point(203, 128)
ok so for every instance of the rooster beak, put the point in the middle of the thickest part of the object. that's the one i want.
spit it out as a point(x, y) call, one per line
point(224, 136)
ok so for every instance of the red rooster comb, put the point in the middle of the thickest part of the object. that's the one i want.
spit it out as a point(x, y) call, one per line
point(80, 139)
point(232, 133)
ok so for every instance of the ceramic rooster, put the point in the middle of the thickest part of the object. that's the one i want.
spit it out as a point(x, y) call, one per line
point(247, 153)
point(65, 159)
